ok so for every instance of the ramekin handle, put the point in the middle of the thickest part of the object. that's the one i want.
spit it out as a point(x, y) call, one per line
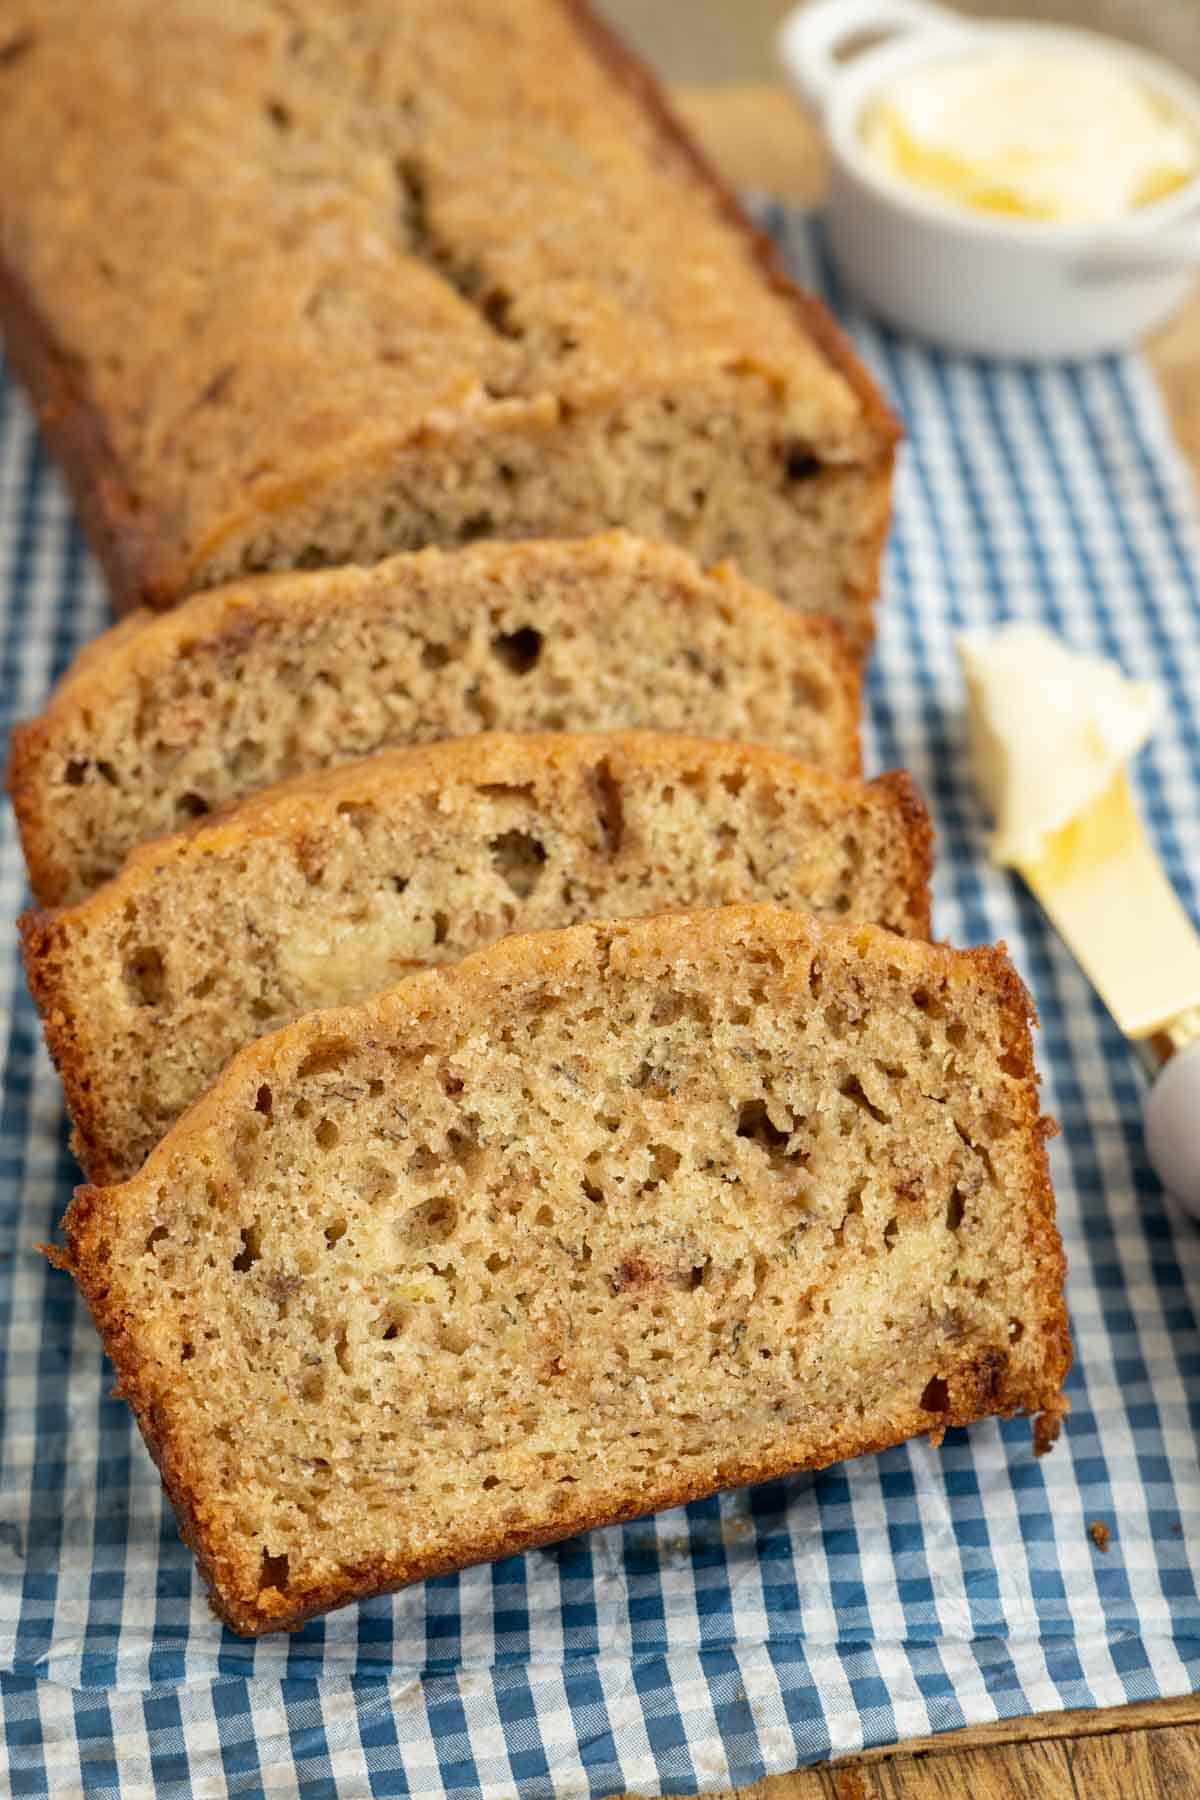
point(811, 37)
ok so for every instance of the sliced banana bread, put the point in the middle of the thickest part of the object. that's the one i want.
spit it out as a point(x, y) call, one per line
point(399, 272)
point(329, 888)
point(592, 1223)
point(167, 718)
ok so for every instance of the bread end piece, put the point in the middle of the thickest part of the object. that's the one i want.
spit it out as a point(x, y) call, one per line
point(154, 556)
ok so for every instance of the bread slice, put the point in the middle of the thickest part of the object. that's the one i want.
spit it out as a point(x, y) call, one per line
point(589, 1224)
point(161, 721)
point(329, 888)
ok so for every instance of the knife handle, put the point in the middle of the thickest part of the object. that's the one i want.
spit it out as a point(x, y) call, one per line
point(1173, 1127)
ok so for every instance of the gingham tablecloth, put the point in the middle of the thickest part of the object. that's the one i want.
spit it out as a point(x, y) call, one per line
point(894, 1596)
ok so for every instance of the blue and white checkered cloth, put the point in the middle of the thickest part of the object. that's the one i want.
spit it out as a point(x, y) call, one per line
point(897, 1595)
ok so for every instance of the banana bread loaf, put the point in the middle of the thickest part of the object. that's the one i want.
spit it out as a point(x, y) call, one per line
point(592, 1223)
point(406, 272)
point(329, 888)
point(167, 718)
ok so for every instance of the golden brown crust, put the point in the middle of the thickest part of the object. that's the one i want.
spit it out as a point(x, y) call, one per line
point(130, 548)
point(919, 829)
point(1043, 1244)
point(67, 1041)
point(980, 1383)
point(29, 743)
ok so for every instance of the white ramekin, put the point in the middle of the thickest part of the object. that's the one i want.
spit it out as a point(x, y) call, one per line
point(973, 281)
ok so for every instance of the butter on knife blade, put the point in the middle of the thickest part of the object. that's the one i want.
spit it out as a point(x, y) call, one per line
point(1107, 897)
point(1052, 730)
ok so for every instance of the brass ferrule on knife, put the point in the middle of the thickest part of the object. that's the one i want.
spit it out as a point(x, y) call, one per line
point(1169, 1039)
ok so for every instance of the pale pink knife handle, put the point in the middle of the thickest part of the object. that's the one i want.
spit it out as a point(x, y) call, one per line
point(1173, 1127)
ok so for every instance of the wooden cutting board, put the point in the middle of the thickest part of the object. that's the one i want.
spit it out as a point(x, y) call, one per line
point(1151, 1751)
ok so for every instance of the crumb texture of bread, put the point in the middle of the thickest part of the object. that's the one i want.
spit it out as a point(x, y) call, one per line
point(390, 274)
point(589, 1224)
point(327, 889)
point(171, 717)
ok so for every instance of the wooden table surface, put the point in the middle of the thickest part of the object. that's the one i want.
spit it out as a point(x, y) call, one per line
point(1149, 1751)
